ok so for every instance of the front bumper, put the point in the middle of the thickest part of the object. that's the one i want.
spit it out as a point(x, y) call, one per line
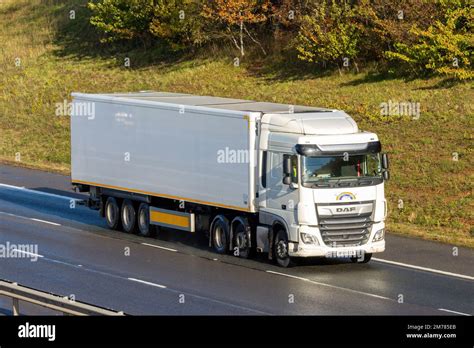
point(301, 249)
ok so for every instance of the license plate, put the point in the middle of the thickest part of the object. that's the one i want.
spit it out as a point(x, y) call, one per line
point(346, 253)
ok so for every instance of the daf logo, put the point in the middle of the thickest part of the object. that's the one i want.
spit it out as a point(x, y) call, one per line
point(345, 210)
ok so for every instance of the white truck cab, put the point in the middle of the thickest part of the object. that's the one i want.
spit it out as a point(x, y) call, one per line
point(323, 180)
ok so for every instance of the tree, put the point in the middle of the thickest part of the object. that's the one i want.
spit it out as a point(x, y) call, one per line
point(382, 23)
point(178, 22)
point(329, 34)
point(235, 15)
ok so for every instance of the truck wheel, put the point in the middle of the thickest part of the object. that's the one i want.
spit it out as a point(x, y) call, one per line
point(280, 250)
point(112, 213)
point(367, 257)
point(143, 220)
point(241, 241)
point(220, 234)
point(129, 216)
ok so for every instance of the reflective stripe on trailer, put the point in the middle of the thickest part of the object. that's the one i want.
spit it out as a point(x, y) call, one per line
point(172, 219)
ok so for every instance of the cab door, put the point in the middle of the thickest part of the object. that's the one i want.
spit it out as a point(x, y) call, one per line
point(281, 199)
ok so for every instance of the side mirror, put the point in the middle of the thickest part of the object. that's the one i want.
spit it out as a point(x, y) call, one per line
point(287, 165)
point(287, 180)
point(384, 161)
point(386, 175)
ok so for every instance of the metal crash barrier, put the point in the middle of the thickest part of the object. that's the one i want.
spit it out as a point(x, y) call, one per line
point(57, 303)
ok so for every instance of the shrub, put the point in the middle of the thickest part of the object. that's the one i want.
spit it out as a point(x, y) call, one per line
point(122, 19)
point(445, 47)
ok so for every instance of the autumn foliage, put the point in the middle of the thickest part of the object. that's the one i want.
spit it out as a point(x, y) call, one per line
point(410, 36)
point(235, 16)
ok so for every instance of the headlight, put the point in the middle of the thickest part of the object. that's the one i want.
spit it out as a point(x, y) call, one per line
point(379, 235)
point(309, 238)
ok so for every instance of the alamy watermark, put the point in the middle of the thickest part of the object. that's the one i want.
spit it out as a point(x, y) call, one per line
point(400, 108)
point(229, 155)
point(19, 251)
point(86, 109)
point(28, 330)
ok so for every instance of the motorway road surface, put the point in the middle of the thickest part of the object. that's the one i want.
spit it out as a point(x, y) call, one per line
point(176, 273)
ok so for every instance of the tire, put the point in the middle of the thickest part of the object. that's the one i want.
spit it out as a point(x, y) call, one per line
point(128, 216)
point(366, 259)
point(112, 213)
point(220, 234)
point(241, 241)
point(280, 250)
point(143, 220)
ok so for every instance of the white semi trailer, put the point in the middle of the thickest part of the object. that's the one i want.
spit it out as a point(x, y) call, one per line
point(290, 181)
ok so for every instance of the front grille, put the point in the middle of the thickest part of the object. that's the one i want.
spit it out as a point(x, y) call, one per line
point(345, 230)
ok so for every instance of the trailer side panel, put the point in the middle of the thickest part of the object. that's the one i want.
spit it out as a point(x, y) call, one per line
point(176, 152)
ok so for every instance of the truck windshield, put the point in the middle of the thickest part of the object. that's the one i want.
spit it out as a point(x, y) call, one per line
point(329, 168)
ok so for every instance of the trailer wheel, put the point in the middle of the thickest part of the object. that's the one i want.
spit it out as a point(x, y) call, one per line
point(241, 241)
point(112, 213)
point(280, 249)
point(220, 234)
point(367, 257)
point(128, 216)
point(143, 220)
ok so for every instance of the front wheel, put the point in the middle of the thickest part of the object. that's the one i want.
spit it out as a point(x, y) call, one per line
point(280, 250)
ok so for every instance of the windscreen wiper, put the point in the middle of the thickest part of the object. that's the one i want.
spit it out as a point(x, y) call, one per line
point(344, 182)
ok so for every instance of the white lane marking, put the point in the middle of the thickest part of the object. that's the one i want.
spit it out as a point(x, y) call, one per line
point(159, 247)
point(450, 311)
point(46, 222)
point(288, 275)
point(167, 289)
point(351, 290)
point(13, 187)
point(147, 283)
point(27, 253)
point(463, 276)
point(22, 188)
point(331, 286)
point(248, 309)
point(31, 219)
